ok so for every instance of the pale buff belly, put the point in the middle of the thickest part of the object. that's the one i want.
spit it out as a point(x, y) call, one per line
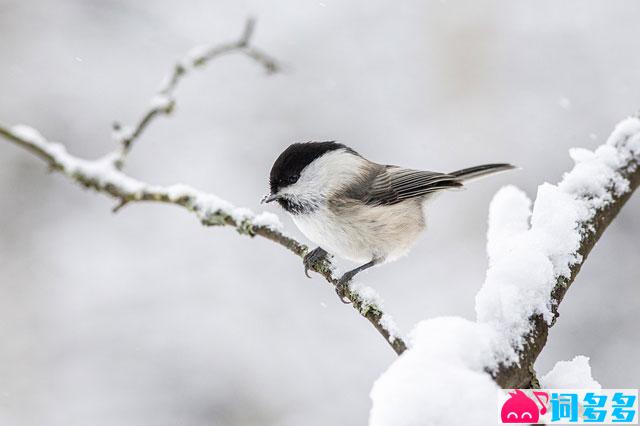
point(361, 234)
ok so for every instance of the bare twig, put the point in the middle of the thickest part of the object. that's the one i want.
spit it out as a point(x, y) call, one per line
point(163, 103)
point(103, 176)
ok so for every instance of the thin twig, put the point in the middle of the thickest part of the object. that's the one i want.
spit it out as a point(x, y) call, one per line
point(163, 103)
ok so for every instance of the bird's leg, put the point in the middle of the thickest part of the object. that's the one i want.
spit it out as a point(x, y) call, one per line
point(312, 259)
point(343, 283)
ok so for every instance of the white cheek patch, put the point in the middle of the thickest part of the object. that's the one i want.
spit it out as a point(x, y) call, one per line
point(301, 195)
point(326, 174)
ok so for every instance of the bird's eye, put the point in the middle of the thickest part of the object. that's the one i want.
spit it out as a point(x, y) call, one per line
point(292, 179)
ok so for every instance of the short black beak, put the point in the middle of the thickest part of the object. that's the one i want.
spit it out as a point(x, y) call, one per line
point(269, 198)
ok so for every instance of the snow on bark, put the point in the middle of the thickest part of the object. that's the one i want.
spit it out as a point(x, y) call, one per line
point(440, 379)
point(574, 374)
point(525, 261)
point(103, 174)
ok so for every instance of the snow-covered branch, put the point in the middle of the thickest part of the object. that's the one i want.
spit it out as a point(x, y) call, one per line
point(535, 255)
point(105, 175)
point(532, 267)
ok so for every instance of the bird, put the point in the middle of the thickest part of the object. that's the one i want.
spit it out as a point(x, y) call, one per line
point(354, 208)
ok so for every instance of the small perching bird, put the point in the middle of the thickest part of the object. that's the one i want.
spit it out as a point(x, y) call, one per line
point(354, 208)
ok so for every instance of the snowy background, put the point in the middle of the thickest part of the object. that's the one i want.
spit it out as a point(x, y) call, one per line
point(146, 317)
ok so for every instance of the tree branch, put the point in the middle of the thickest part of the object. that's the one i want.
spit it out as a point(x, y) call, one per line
point(163, 103)
point(520, 375)
point(105, 175)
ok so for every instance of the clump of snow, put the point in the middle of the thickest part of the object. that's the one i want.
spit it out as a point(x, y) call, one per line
point(268, 220)
point(367, 294)
point(626, 137)
point(555, 225)
point(594, 174)
point(104, 173)
point(240, 214)
point(389, 324)
point(509, 215)
point(204, 204)
point(179, 190)
point(574, 374)
point(29, 134)
point(525, 261)
point(508, 292)
point(161, 102)
point(165, 84)
point(32, 136)
point(440, 380)
point(208, 205)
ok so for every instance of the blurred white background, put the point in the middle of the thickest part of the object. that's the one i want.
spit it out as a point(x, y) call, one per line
point(147, 318)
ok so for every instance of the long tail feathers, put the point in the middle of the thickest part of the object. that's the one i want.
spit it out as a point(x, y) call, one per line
point(476, 172)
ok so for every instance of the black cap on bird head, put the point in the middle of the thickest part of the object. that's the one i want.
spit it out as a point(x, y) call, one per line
point(288, 166)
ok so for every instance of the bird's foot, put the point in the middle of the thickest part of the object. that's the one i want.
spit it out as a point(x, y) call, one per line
point(314, 260)
point(342, 287)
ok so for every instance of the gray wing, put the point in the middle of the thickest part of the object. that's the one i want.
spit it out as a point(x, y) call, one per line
point(394, 184)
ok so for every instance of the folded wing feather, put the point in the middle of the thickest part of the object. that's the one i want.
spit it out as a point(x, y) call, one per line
point(394, 184)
